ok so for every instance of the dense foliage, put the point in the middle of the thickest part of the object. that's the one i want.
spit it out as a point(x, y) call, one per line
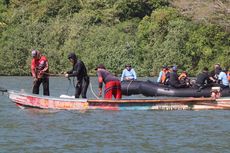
point(146, 34)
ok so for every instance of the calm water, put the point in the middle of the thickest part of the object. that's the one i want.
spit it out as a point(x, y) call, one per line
point(42, 131)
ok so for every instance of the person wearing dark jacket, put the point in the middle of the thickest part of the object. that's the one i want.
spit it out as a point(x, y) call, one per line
point(174, 79)
point(79, 71)
point(204, 79)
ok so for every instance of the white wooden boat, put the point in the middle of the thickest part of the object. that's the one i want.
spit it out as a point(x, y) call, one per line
point(23, 99)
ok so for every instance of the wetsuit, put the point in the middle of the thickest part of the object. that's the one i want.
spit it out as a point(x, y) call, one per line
point(203, 80)
point(39, 68)
point(79, 71)
point(174, 81)
point(112, 84)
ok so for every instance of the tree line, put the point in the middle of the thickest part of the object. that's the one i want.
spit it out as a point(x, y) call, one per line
point(146, 34)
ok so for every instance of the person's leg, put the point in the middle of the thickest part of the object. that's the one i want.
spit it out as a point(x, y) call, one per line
point(118, 90)
point(45, 83)
point(78, 89)
point(85, 85)
point(36, 85)
point(108, 93)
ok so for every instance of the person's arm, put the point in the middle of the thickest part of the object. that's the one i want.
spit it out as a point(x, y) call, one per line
point(43, 66)
point(100, 83)
point(33, 68)
point(212, 79)
point(159, 77)
point(134, 74)
point(76, 70)
point(122, 75)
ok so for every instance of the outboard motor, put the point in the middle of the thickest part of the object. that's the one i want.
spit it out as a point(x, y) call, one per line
point(216, 92)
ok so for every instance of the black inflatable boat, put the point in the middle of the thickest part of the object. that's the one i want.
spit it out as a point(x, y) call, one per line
point(151, 89)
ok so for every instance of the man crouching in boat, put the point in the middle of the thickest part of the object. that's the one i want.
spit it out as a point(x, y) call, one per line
point(79, 71)
point(39, 70)
point(112, 83)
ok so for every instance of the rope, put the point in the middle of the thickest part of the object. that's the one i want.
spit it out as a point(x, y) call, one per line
point(67, 91)
point(128, 86)
point(91, 88)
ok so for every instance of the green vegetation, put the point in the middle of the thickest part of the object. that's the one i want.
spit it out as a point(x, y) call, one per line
point(146, 34)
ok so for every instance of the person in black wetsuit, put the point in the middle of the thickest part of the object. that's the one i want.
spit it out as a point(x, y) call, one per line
point(174, 79)
point(204, 79)
point(79, 71)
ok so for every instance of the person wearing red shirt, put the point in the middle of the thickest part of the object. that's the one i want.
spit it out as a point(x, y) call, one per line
point(39, 70)
point(112, 83)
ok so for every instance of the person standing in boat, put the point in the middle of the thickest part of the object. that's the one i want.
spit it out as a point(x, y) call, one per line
point(79, 70)
point(204, 79)
point(39, 70)
point(128, 74)
point(112, 83)
point(174, 79)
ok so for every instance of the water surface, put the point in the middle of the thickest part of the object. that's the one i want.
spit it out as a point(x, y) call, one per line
point(97, 131)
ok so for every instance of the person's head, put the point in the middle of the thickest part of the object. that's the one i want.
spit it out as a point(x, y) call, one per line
point(217, 65)
point(100, 66)
point(225, 69)
point(72, 57)
point(205, 69)
point(128, 67)
point(36, 54)
point(164, 67)
point(174, 68)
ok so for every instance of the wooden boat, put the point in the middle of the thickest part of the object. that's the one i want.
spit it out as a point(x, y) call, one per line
point(45, 102)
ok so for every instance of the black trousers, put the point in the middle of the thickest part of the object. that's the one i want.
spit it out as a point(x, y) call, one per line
point(81, 87)
point(45, 83)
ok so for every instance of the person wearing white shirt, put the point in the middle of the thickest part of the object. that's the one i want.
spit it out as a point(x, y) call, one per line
point(128, 73)
point(222, 77)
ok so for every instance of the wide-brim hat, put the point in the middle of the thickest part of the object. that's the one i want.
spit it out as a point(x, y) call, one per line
point(100, 66)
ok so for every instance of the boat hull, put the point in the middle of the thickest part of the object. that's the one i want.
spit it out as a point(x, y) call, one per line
point(45, 102)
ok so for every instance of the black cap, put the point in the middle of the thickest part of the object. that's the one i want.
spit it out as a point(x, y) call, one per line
point(100, 66)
